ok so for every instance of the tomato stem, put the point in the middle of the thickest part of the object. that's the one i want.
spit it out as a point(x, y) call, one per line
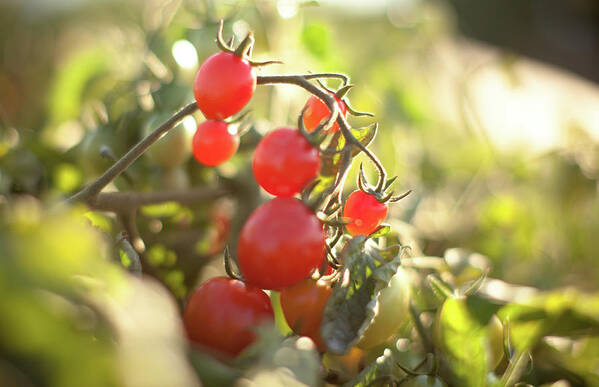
point(244, 50)
point(220, 41)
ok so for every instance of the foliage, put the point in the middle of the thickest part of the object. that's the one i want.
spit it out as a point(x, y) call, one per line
point(79, 88)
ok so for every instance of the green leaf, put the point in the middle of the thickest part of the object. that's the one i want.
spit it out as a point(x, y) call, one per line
point(353, 302)
point(323, 183)
point(440, 288)
point(566, 312)
point(365, 135)
point(381, 231)
point(461, 334)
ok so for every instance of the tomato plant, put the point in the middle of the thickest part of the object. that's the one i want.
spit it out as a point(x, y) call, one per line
point(284, 161)
point(303, 304)
point(221, 312)
point(392, 311)
point(223, 85)
point(169, 219)
point(364, 212)
point(213, 143)
point(280, 244)
point(316, 111)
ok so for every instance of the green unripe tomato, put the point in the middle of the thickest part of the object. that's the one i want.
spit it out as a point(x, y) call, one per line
point(423, 381)
point(174, 147)
point(173, 179)
point(394, 301)
point(92, 162)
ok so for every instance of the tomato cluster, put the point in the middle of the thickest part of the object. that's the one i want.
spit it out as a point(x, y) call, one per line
point(283, 242)
point(223, 86)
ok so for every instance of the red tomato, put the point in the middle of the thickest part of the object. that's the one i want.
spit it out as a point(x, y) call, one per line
point(365, 212)
point(303, 305)
point(221, 312)
point(223, 85)
point(280, 244)
point(213, 144)
point(317, 111)
point(284, 161)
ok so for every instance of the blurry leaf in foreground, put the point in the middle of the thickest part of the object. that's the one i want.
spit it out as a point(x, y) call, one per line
point(566, 312)
point(71, 317)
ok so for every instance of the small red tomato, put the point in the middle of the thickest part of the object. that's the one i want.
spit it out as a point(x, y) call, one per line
point(221, 313)
point(317, 110)
point(213, 144)
point(365, 213)
point(284, 161)
point(223, 85)
point(280, 244)
point(303, 305)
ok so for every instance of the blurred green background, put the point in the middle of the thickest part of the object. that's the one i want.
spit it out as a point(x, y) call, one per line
point(501, 150)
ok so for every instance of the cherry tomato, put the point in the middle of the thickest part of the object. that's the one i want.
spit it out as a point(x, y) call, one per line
point(284, 161)
point(317, 110)
point(365, 212)
point(280, 244)
point(223, 85)
point(423, 381)
point(221, 313)
point(213, 144)
point(303, 304)
point(394, 301)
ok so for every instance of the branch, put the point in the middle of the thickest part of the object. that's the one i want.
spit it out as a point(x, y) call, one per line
point(134, 153)
point(303, 82)
point(123, 202)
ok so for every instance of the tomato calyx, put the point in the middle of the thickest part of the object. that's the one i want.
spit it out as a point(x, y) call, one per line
point(243, 50)
point(382, 192)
